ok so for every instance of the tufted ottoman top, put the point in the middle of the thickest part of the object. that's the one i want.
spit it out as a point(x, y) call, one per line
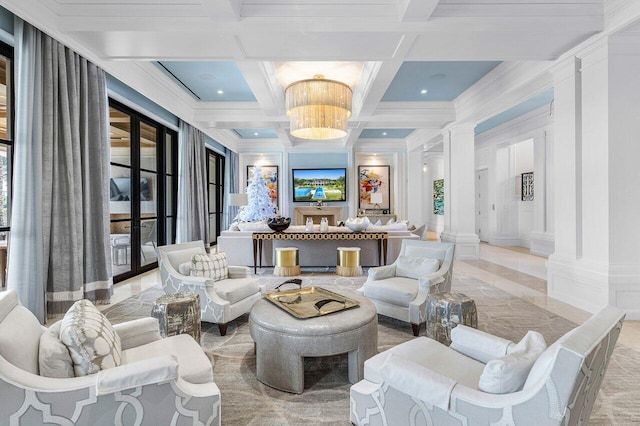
point(266, 315)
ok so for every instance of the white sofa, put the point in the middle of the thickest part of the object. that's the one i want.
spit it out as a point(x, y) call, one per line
point(239, 247)
point(160, 381)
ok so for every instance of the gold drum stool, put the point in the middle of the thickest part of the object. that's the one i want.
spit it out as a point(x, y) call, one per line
point(445, 311)
point(287, 263)
point(348, 264)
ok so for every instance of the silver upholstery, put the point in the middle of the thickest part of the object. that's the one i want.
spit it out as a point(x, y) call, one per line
point(283, 341)
point(560, 389)
point(149, 388)
point(394, 296)
point(215, 308)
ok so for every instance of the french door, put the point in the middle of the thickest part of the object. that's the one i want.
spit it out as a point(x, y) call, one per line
point(141, 190)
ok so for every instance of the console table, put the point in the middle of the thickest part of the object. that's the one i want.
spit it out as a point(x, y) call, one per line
point(259, 237)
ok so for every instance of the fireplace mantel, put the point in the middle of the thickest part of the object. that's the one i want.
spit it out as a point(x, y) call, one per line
point(332, 213)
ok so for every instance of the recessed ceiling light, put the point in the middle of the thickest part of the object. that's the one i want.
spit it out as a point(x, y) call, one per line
point(423, 91)
point(384, 133)
point(220, 92)
point(255, 134)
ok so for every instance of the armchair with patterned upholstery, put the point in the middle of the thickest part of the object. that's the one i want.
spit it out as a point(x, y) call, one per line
point(158, 381)
point(423, 382)
point(400, 290)
point(220, 301)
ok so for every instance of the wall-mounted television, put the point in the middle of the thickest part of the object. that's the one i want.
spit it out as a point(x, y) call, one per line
point(319, 185)
point(120, 189)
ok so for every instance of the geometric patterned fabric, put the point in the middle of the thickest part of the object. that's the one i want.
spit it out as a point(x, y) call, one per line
point(212, 266)
point(92, 342)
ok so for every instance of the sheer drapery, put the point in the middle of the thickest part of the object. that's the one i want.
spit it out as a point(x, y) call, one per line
point(192, 221)
point(60, 213)
point(232, 185)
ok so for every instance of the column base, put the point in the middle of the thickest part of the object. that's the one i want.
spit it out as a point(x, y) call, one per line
point(467, 245)
point(590, 285)
point(542, 243)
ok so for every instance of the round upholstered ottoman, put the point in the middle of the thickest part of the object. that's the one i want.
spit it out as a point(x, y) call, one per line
point(178, 313)
point(348, 262)
point(287, 263)
point(445, 311)
point(282, 341)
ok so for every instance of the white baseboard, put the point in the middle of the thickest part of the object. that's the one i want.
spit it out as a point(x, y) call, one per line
point(542, 244)
point(504, 241)
point(467, 245)
point(590, 285)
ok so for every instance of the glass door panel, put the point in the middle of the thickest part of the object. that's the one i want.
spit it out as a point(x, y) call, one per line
point(148, 207)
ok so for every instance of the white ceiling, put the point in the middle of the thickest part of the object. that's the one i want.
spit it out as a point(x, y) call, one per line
point(260, 35)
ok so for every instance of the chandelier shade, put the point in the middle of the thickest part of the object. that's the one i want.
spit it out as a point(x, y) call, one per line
point(318, 108)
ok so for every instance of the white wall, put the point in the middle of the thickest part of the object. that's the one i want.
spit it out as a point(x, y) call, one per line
point(524, 164)
point(434, 162)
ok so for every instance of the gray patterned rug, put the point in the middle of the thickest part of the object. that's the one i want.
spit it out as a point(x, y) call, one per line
point(325, 400)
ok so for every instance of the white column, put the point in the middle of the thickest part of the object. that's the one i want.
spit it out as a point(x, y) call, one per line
point(415, 190)
point(542, 240)
point(435, 170)
point(459, 190)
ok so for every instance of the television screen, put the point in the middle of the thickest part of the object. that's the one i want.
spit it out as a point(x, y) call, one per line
point(319, 184)
point(120, 189)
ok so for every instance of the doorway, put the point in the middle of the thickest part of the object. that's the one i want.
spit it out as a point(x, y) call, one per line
point(482, 204)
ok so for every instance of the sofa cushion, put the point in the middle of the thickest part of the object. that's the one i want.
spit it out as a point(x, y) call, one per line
point(193, 364)
point(416, 267)
point(234, 290)
point(254, 226)
point(430, 354)
point(397, 290)
point(54, 358)
point(509, 373)
point(185, 268)
point(212, 266)
point(20, 334)
point(92, 342)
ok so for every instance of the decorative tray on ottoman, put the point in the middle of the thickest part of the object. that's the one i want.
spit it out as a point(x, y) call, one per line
point(310, 302)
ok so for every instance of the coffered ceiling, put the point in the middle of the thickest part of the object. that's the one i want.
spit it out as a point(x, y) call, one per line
point(183, 54)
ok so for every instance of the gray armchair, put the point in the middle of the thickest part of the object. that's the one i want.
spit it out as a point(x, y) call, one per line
point(220, 301)
point(422, 382)
point(160, 381)
point(400, 290)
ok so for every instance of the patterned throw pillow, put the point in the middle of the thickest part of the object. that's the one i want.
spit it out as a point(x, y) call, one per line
point(212, 266)
point(92, 342)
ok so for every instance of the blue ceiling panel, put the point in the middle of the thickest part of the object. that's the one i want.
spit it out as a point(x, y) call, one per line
point(256, 133)
point(442, 80)
point(522, 108)
point(205, 80)
point(385, 133)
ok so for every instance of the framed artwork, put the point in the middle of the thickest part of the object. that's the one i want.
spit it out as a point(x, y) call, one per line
point(527, 187)
point(374, 180)
point(270, 176)
point(438, 197)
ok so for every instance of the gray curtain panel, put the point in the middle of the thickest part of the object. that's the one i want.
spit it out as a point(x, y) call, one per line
point(60, 213)
point(192, 221)
point(232, 186)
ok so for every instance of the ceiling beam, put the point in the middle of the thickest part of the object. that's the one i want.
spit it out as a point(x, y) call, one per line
point(417, 10)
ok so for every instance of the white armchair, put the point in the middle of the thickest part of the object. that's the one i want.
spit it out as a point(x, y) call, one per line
point(160, 381)
point(220, 301)
point(422, 382)
point(400, 290)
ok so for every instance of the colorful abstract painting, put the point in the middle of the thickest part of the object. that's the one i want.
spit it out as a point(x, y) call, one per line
point(374, 179)
point(438, 196)
point(270, 176)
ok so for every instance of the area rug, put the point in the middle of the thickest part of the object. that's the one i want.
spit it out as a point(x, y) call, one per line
point(245, 401)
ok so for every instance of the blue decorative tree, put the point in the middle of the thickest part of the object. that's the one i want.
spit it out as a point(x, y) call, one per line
point(259, 205)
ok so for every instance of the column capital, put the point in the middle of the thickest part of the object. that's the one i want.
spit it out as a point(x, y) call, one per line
point(460, 127)
point(565, 68)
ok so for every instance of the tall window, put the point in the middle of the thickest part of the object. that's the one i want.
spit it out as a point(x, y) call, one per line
point(215, 185)
point(6, 146)
point(141, 188)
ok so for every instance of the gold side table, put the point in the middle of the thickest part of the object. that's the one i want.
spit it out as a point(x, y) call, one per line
point(348, 264)
point(287, 262)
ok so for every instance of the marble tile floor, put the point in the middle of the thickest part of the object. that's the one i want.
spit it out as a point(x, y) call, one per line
point(509, 270)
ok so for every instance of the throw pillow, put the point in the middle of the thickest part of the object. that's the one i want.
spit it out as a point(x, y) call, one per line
point(54, 358)
point(509, 373)
point(212, 266)
point(185, 268)
point(378, 223)
point(416, 267)
point(90, 338)
point(254, 226)
point(391, 221)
